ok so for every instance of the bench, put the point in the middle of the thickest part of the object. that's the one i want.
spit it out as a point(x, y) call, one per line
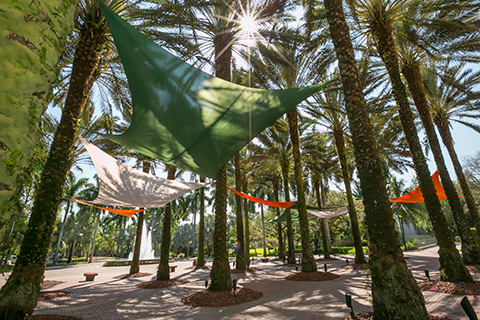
point(90, 276)
point(172, 268)
point(264, 259)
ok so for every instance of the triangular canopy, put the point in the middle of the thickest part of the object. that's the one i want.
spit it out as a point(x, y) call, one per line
point(120, 185)
point(416, 195)
point(283, 217)
point(185, 117)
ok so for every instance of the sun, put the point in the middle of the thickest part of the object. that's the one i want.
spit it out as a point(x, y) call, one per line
point(248, 24)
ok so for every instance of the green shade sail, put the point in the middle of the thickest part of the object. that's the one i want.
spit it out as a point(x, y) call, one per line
point(184, 116)
point(283, 217)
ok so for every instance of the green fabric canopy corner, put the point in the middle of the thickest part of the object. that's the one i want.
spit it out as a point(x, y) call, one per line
point(184, 116)
point(283, 217)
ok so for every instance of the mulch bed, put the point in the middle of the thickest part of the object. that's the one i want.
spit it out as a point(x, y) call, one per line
point(456, 288)
point(369, 316)
point(474, 269)
point(49, 295)
point(51, 317)
point(159, 284)
point(245, 270)
point(49, 283)
point(207, 298)
point(329, 259)
point(312, 276)
point(132, 276)
point(355, 266)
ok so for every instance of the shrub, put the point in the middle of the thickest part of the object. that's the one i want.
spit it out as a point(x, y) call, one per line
point(181, 255)
point(411, 245)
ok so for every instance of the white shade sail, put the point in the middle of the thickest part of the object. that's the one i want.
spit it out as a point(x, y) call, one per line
point(120, 185)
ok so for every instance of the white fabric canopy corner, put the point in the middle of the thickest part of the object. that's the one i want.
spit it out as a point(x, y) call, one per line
point(120, 185)
point(329, 214)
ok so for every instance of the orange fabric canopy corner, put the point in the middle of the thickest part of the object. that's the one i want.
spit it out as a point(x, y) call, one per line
point(416, 195)
point(123, 212)
point(275, 204)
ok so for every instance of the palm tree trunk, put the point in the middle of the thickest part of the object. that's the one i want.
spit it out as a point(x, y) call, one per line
point(94, 237)
point(308, 261)
point(28, 272)
point(357, 239)
point(163, 272)
point(325, 241)
point(470, 248)
point(444, 130)
point(394, 290)
point(240, 262)
point(60, 236)
point(135, 266)
point(72, 249)
point(247, 225)
point(201, 228)
point(451, 265)
point(286, 187)
point(281, 244)
point(220, 274)
point(326, 227)
point(26, 87)
point(263, 231)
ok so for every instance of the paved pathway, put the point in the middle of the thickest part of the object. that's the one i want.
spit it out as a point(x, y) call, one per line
point(108, 298)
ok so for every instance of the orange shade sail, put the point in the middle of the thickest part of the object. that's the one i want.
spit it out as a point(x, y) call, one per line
point(275, 204)
point(416, 195)
point(123, 212)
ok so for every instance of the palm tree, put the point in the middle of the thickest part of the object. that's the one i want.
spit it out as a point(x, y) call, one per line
point(452, 98)
point(392, 282)
point(135, 266)
point(321, 162)
point(92, 36)
point(276, 140)
point(74, 189)
point(39, 48)
point(163, 272)
point(379, 16)
point(201, 227)
point(470, 248)
point(328, 108)
point(240, 261)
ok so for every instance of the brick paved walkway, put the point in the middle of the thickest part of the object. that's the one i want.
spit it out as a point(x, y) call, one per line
point(108, 298)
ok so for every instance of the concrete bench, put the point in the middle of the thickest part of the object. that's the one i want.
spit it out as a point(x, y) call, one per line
point(90, 276)
point(172, 268)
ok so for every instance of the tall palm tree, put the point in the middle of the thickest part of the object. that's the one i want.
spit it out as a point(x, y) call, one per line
point(201, 227)
point(328, 108)
point(33, 42)
point(321, 162)
point(276, 140)
point(240, 262)
point(289, 67)
point(378, 15)
point(135, 266)
point(73, 188)
point(92, 36)
point(394, 290)
point(452, 98)
point(163, 272)
point(413, 55)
